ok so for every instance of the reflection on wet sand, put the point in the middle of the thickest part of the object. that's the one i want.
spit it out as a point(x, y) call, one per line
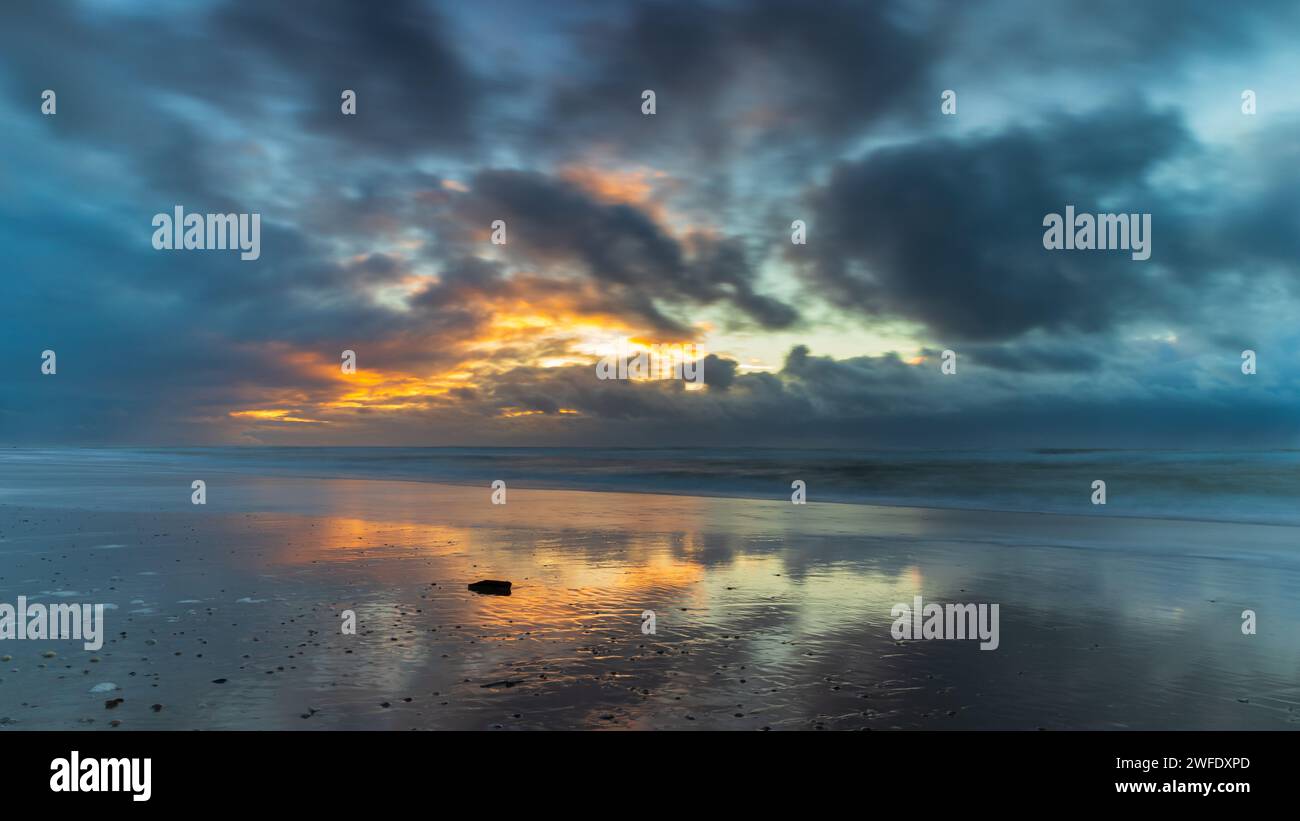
point(768, 615)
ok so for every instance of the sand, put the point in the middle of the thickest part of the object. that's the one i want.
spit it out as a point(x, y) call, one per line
point(767, 615)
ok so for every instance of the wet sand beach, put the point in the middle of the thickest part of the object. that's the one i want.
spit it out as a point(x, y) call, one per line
point(768, 615)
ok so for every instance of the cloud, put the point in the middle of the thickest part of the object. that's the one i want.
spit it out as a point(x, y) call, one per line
point(924, 232)
point(736, 76)
point(948, 232)
point(415, 92)
point(552, 221)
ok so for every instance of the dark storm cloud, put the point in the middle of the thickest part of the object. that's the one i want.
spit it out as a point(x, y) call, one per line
point(793, 71)
point(1253, 224)
point(1140, 401)
point(804, 78)
point(1070, 356)
point(949, 232)
point(252, 61)
point(719, 373)
point(857, 386)
point(619, 245)
point(1027, 35)
point(808, 388)
point(414, 90)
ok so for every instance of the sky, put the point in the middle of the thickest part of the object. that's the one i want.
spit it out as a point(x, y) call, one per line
point(924, 229)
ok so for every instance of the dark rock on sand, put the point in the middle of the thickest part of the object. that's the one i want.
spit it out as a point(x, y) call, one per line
point(494, 587)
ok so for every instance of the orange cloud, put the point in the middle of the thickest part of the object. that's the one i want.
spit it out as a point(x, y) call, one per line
point(275, 415)
point(642, 187)
point(524, 321)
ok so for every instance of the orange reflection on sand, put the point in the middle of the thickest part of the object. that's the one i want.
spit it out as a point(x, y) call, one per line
point(552, 561)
